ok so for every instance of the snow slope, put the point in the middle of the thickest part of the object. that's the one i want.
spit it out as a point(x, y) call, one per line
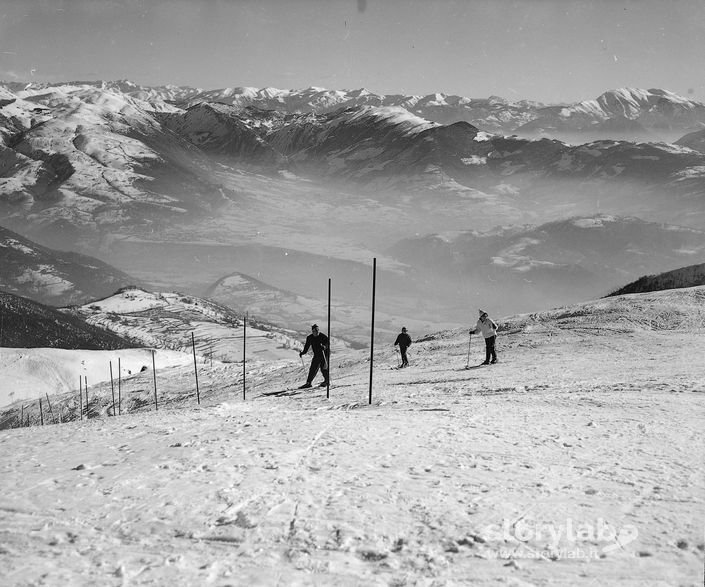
point(31, 373)
point(576, 460)
point(172, 320)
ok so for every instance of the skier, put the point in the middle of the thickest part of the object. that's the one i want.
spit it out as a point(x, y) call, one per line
point(489, 331)
point(404, 342)
point(321, 353)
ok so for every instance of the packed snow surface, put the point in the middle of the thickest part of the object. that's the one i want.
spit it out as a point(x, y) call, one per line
point(576, 460)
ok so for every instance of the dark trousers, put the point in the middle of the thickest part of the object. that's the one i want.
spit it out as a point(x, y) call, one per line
point(404, 361)
point(318, 362)
point(489, 349)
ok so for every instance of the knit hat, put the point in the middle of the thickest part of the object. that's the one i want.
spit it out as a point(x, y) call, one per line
point(314, 326)
point(482, 313)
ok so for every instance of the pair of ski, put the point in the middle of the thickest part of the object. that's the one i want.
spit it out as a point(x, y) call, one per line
point(292, 390)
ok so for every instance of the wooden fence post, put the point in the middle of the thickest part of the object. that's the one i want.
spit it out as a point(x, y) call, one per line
point(51, 410)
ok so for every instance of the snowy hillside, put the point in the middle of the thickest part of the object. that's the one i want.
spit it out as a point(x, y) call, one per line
point(167, 320)
point(53, 277)
point(575, 460)
point(25, 323)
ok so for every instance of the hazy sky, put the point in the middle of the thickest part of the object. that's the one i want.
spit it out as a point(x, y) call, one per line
point(547, 50)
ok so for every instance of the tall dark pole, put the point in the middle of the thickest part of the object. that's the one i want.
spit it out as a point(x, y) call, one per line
point(85, 384)
point(119, 388)
point(372, 333)
point(195, 368)
point(154, 373)
point(244, 355)
point(80, 397)
point(329, 343)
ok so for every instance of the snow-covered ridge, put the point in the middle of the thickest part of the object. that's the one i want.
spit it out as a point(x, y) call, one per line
point(404, 120)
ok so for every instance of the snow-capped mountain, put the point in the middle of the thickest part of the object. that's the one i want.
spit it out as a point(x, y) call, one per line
point(628, 113)
point(82, 162)
point(182, 193)
point(79, 160)
point(54, 277)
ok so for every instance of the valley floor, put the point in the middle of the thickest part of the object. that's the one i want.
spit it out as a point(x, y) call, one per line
point(576, 460)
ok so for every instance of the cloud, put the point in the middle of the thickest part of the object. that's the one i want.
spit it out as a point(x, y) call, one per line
point(9, 74)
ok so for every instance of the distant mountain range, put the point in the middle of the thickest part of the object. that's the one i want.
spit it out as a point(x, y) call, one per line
point(627, 113)
point(179, 187)
point(83, 164)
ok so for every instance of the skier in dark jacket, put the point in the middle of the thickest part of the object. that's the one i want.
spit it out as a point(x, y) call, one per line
point(404, 342)
point(320, 345)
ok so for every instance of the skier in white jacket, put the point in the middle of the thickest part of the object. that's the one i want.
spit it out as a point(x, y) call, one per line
point(488, 328)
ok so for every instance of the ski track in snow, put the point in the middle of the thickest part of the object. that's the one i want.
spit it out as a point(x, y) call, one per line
point(571, 429)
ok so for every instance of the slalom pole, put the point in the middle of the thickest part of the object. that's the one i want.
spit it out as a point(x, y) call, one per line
point(112, 386)
point(85, 385)
point(329, 344)
point(244, 356)
point(80, 397)
point(119, 388)
point(372, 333)
point(154, 373)
point(195, 368)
